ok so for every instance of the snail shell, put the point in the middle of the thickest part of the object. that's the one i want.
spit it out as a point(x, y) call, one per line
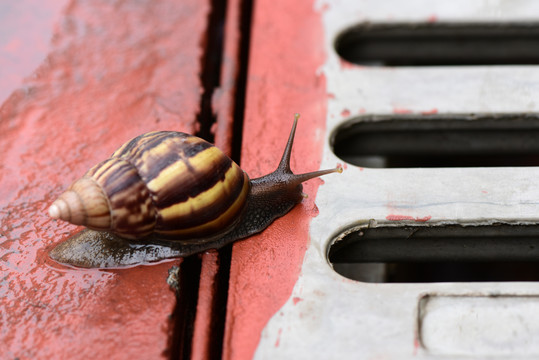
point(169, 184)
point(173, 188)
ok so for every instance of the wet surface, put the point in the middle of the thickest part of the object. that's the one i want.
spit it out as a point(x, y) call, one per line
point(112, 71)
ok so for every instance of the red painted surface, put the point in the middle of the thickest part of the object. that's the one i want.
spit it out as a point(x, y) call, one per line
point(265, 267)
point(224, 97)
point(26, 28)
point(113, 70)
point(208, 309)
point(202, 333)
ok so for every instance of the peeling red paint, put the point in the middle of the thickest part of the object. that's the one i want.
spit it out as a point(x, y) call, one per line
point(345, 113)
point(399, 110)
point(277, 342)
point(362, 110)
point(314, 211)
point(393, 217)
point(430, 112)
point(399, 217)
point(296, 300)
point(265, 267)
point(432, 18)
point(331, 96)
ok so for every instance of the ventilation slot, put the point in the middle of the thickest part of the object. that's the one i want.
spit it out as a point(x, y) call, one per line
point(416, 254)
point(436, 43)
point(401, 141)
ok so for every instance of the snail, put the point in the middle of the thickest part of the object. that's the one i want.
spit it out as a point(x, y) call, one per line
point(167, 194)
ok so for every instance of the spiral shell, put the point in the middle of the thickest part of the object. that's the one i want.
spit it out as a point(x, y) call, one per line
point(172, 185)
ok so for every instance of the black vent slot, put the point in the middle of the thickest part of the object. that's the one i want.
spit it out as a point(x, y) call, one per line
point(402, 141)
point(438, 43)
point(438, 254)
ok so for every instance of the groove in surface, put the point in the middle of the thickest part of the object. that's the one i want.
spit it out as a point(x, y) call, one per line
point(438, 253)
point(440, 44)
point(474, 140)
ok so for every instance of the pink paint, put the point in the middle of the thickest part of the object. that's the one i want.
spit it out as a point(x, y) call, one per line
point(343, 166)
point(296, 300)
point(345, 113)
point(432, 19)
point(393, 217)
point(484, 191)
point(399, 110)
point(430, 112)
point(277, 342)
point(416, 345)
point(265, 267)
point(362, 110)
point(331, 96)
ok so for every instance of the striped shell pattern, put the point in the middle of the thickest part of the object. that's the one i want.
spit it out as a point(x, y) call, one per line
point(172, 185)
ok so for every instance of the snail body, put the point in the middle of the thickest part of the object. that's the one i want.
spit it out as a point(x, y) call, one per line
point(175, 189)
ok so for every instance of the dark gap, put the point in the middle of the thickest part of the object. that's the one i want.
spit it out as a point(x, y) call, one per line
point(184, 312)
point(241, 84)
point(405, 141)
point(225, 253)
point(413, 254)
point(189, 282)
point(440, 44)
point(219, 303)
point(462, 272)
point(211, 68)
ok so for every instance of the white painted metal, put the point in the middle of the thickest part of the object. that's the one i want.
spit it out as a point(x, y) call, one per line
point(342, 318)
